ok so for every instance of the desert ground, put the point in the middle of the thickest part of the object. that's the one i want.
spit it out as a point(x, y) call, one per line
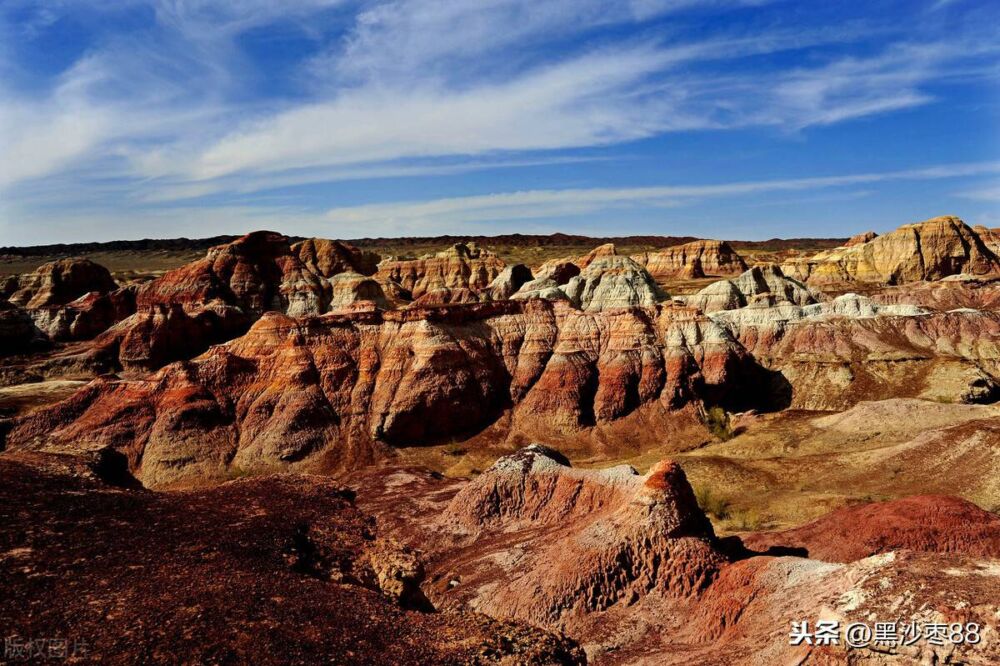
point(511, 449)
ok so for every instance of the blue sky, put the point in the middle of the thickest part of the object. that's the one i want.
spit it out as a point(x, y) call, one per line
point(724, 118)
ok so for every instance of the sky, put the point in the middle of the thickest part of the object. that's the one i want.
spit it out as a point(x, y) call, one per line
point(735, 119)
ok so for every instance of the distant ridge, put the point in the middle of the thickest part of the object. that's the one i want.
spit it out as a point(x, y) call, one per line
point(523, 240)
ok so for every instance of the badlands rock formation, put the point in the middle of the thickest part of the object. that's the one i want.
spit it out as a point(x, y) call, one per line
point(273, 570)
point(928, 250)
point(924, 523)
point(761, 285)
point(601, 280)
point(330, 390)
point(461, 266)
point(328, 257)
point(59, 282)
point(598, 539)
point(17, 330)
point(861, 239)
point(712, 256)
point(533, 537)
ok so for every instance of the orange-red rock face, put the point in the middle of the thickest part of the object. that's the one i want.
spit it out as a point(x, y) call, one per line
point(590, 542)
point(332, 388)
point(925, 523)
point(928, 250)
point(274, 570)
point(59, 282)
point(712, 256)
point(328, 257)
point(463, 266)
point(833, 362)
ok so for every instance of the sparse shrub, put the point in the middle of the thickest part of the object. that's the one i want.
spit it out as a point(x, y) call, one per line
point(713, 503)
point(717, 422)
point(746, 520)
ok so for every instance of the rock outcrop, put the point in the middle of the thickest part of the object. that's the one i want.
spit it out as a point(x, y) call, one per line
point(612, 282)
point(59, 282)
point(330, 391)
point(462, 266)
point(592, 540)
point(927, 250)
point(714, 258)
point(602, 280)
point(17, 330)
point(861, 239)
point(204, 573)
point(508, 282)
point(328, 257)
point(763, 285)
point(924, 523)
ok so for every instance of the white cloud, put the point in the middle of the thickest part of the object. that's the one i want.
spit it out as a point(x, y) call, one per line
point(545, 204)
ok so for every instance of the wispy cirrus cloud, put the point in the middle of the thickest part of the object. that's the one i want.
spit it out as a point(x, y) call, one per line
point(226, 103)
point(548, 204)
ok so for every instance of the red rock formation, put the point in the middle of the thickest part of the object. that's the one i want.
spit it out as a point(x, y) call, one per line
point(861, 239)
point(927, 250)
point(951, 356)
point(446, 296)
point(926, 523)
point(329, 257)
point(274, 570)
point(590, 540)
point(59, 282)
point(328, 390)
point(715, 257)
point(462, 266)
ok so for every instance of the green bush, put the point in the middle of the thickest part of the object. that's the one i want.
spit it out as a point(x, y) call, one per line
point(713, 503)
point(717, 422)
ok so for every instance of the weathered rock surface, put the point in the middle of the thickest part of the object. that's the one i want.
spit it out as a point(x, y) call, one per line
point(588, 541)
point(610, 282)
point(833, 361)
point(761, 285)
point(59, 282)
point(328, 391)
point(925, 523)
point(17, 330)
point(745, 617)
point(927, 250)
point(328, 257)
point(861, 239)
point(508, 282)
point(714, 258)
point(462, 266)
point(273, 570)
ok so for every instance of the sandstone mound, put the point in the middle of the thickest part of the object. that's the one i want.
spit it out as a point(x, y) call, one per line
point(328, 257)
point(833, 355)
point(462, 266)
point(17, 330)
point(592, 539)
point(508, 282)
point(350, 290)
point(274, 570)
point(602, 280)
point(926, 523)
point(612, 282)
point(762, 285)
point(861, 239)
point(714, 257)
point(59, 282)
point(744, 618)
point(927, 250)
point(330, 391)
